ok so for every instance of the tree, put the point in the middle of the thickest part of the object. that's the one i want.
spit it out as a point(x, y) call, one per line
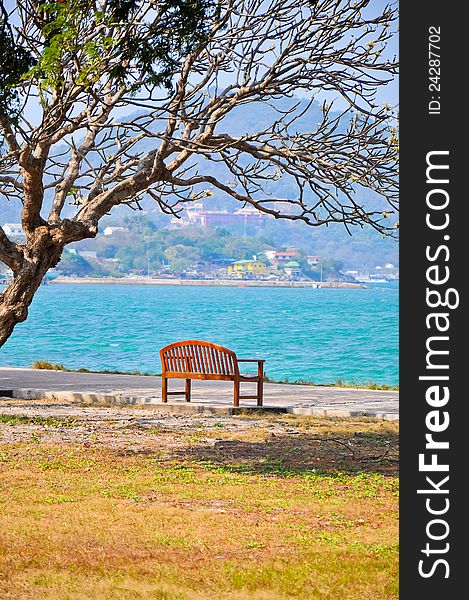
point(131, 99)
point(181, 257)
point(73, 264)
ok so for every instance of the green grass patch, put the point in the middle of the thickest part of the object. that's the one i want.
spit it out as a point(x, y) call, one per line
point(44, 364)
point(37, 420)
point(339, 382)
point(48, 366)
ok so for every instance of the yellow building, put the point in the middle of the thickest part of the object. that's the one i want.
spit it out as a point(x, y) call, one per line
point(248, 268)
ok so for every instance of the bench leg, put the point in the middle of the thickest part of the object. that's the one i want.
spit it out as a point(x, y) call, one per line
point(188, 390)
point(164, 389)
point(236, 393)
point(260, 392)
point(260, 384)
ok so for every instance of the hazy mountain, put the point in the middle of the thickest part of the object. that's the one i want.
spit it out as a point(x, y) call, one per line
point(365, 246)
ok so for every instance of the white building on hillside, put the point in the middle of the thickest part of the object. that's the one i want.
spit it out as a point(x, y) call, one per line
point(13, 229)
point(112, 230)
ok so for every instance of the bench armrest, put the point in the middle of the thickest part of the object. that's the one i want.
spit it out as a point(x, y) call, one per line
point(250, 360)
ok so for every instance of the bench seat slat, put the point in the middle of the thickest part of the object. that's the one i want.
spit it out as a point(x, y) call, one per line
point(213, 354)
point(206, 365)
point(201, 360)
point(211, 366)
point(208, 352)
point(217, 361)
point(195, 358)
point(180, 360)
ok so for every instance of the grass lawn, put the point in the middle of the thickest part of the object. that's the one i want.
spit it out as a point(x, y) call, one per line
point(115, 503)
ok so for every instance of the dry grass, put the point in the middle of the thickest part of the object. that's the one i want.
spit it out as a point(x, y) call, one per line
point(128, 506)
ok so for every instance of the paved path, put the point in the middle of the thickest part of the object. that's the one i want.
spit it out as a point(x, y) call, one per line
point(210, 396)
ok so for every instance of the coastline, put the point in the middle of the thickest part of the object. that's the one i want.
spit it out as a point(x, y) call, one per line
point(202, 282)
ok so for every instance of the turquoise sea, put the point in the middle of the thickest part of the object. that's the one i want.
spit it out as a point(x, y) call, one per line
point(303, 333)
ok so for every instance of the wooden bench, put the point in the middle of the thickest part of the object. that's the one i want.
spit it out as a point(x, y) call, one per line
point(193, 359)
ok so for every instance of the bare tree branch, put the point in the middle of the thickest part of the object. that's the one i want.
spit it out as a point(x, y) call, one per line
point(9, 253)
point(146, 102)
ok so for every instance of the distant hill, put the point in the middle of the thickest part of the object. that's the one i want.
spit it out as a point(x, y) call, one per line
point(364, 247)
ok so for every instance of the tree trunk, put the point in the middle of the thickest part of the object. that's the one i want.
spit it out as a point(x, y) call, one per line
point(40, 254)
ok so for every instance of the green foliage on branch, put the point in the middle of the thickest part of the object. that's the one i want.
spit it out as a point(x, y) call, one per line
point(15, 61)
point(155, 48)
point(135, 42)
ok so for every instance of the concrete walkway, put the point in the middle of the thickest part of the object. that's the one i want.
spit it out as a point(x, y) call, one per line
point(207, 396)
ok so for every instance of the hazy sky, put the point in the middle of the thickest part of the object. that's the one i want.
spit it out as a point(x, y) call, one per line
point(389, 94)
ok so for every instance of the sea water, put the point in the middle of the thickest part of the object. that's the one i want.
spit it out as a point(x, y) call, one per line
point(318, 335)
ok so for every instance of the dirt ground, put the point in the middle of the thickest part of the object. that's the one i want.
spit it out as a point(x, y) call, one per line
point(131, 503)
point(298, 442)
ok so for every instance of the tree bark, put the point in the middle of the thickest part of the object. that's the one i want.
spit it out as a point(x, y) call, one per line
point(42, 253)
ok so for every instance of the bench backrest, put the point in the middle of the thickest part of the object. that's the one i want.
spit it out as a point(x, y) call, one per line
point(195, 356)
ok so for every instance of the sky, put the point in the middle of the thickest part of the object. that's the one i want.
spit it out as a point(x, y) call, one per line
point(388, 94)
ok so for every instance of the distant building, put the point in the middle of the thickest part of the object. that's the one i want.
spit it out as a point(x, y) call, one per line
point(83, 253)
point(249, 268)
point(293, 269)
point(215, 262)
point(6, 274)
point(197, 215)
point(313, 260)
point(13, 229)
point(269, 254)
point(282, 258)
point(112, 230)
